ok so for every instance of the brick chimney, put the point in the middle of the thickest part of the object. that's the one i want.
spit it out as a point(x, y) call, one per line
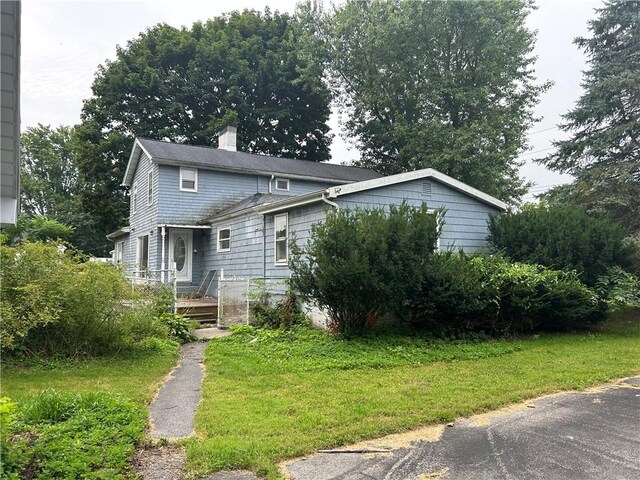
point(227, 138)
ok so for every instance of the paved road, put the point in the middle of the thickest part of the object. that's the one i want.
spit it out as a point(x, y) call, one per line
point(579, 436)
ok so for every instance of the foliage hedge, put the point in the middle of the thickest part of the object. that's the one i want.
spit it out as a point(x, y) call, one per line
point(56, 435)
point(363, 263)
point(55, 303)
point(561, 237)
point(361, 266)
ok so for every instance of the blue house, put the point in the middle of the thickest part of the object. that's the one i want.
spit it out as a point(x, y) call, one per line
point(199, 210)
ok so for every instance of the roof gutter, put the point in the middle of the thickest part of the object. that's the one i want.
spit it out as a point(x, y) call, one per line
point(329, 202)
point(268, 173)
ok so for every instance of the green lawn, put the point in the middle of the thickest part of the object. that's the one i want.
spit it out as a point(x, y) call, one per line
point(288, 394)
point(135, 375)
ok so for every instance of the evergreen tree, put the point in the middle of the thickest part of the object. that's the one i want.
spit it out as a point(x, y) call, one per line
point(603, 152)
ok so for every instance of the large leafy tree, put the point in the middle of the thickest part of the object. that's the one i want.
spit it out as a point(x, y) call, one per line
point(186, 84)
point(50, 190)
point(447, 85)
point(48, 176)
point(603, 151)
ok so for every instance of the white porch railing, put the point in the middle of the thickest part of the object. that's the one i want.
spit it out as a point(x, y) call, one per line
point(155, 282)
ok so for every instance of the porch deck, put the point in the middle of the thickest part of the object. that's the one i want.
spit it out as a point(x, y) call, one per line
point(204, 310)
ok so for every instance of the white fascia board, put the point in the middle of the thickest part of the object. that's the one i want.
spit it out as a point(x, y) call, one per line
point(132, 164)
point(292, 202)
point(273, 207)
point(119, 233)
point(176, 225)
point(347, 189)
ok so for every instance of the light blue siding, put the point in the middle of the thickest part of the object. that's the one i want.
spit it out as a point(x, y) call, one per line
point(465, 218)
point(145, 220)
point(216, 191)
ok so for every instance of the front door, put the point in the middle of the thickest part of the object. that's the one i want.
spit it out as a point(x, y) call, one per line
point(180, 251)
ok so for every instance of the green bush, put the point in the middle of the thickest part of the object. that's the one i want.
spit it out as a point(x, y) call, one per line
point(282, 315)
point(361, 264)
point(180, 328)
point(561, 237)
point(53, 302)
point(619, 289)
point(478, 293)
point(61, 435)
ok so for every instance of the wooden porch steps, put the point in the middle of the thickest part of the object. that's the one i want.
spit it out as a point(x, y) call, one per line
point(204, 310)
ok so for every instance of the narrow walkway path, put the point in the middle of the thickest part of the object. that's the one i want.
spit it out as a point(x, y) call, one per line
point(174, 408)
point(172, 411)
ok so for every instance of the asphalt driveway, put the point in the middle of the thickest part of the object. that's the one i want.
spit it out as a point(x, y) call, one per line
point(581, 436)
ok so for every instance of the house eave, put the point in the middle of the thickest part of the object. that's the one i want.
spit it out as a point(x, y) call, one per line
point(132, 164)
point(338, 191)
point(204, 166)
point(121, 232)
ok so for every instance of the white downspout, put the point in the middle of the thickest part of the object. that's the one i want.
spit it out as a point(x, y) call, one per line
point(162, 233)
point(329, 202)
point(271, 180)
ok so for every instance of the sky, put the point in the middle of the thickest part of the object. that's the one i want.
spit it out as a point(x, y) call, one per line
point(64, 42)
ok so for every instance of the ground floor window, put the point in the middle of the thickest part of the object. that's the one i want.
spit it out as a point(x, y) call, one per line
point(224, 239)
point(281, 229)
point(142, 258)
point(119, 252)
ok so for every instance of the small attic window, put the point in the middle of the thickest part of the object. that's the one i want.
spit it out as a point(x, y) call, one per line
point(282, 184)
point(188, 179)
point(426, 188)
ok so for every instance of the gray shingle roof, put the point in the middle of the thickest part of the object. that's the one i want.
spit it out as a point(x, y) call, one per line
point(249, 202)
point(220, 159)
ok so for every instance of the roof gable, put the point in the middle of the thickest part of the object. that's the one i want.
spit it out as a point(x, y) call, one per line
point(342, 190)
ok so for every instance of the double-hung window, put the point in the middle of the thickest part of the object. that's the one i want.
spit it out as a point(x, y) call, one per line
point(188, 179)
point(119, 252)
point(134, 198)
point(150, 189)
point(224, 239)
point(281, 234)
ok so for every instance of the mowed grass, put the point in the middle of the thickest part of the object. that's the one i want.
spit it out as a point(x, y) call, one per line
point(137, 376)
point(269, 396)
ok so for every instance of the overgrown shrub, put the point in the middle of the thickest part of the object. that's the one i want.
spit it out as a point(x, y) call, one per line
point(561, 237)
point(282, 315)
point(179, 327)
point(63, 435)
point(361, 264)
point(55, 303)
point(619, 288)
point(479, 293)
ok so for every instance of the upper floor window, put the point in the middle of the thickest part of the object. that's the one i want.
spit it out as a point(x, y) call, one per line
point(282, 184)
point(134, 197)
point(150, 189)
point(188, 179)
point(281, 233)
point(224, 239)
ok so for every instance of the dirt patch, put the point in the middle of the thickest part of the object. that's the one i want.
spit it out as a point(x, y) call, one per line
point(399, 440)
point(160, 463)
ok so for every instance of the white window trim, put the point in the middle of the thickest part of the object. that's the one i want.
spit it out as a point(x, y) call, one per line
point(134, 197)
point(150, 188)
point(218, 249)
point(439, 218)
point(195, 189)
point(119, 253)
point(138, 264)
point(281, 263)
point(281, 180)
